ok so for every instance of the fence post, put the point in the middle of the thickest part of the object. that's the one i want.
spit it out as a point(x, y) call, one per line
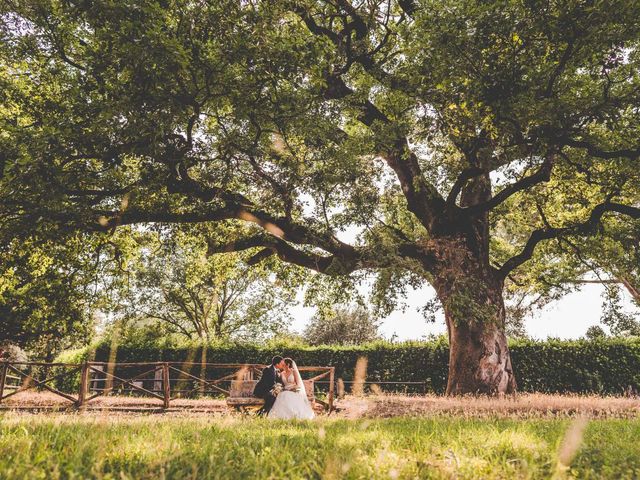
point(157, 379)
point(3, 377)
point(84, 384)
point(165, 384)
point(331, 387)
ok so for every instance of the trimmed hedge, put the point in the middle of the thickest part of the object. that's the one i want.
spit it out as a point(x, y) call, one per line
point(582, 366)
point(606, 366)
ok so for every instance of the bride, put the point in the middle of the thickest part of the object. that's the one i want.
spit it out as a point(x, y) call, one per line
point(292, 402)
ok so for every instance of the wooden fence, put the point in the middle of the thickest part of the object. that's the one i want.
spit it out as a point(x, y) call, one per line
point(165, 381)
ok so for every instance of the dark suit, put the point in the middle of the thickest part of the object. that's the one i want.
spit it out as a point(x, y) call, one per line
point(270, 376)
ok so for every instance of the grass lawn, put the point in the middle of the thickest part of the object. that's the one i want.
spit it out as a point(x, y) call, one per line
point(155, 446)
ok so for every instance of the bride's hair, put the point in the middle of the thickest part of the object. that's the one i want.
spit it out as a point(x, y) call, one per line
point(289, 362)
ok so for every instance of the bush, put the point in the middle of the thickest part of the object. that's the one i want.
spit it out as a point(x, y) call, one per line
point(603, 366)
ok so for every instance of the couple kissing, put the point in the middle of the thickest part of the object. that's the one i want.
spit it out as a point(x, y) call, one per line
point(283, 391)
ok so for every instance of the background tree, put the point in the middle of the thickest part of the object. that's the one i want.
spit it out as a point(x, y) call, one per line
point(342, 326)
point(178, 287)
point(46, 296)
point(421, 124)
point(620, 322)
point(595, 332)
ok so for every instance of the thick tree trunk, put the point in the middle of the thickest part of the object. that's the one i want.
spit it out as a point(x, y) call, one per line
point(479, 359)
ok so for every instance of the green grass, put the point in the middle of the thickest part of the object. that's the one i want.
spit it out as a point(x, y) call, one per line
point(121, 447)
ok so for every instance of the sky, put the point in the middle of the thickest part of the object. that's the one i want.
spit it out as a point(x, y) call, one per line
point(569, 317)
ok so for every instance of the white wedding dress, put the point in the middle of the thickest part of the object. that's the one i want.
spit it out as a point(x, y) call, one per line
point(292, 401)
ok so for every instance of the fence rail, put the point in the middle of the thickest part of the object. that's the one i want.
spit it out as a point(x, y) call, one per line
point(165, 381)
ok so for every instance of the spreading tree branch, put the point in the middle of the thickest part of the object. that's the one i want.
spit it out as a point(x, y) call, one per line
point(423, 199)
point(594, 151)
point(327, 264)
point(589, 227)
point(543, 174)
point(336, 264)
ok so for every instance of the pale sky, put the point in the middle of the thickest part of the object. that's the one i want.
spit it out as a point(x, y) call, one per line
point(567, 318)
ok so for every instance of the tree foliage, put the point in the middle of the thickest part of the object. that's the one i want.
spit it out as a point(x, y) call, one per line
point(175, 286)
point(460, 138)
point(342, 326)
point(610, 257)
point(46, 295)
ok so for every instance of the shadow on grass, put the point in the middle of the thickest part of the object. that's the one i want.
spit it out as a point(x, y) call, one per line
point(68, 446)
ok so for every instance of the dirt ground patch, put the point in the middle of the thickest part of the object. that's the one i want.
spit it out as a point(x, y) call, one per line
point(373, 406)
point(520, 406)
point(46, 400)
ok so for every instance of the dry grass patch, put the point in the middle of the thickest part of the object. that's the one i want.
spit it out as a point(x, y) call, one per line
point(520, 406)
point(35, 399)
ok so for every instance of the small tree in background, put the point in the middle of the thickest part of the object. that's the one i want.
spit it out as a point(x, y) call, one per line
point(175, 287)
point(595, 332)
point(620, 322)
point(610, 258)
point(342, 326)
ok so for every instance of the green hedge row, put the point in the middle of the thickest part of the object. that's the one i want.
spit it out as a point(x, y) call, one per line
point(607, 366)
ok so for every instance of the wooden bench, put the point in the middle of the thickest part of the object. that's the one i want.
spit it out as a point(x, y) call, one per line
point(241, 394)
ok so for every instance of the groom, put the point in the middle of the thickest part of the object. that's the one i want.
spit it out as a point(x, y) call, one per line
point(270, 377)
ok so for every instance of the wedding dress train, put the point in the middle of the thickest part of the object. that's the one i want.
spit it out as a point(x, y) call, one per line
point(292, 402)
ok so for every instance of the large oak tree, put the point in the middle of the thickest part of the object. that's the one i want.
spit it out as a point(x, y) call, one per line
point(423, 123)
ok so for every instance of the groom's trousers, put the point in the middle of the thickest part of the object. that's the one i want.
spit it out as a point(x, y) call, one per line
point(269, 400)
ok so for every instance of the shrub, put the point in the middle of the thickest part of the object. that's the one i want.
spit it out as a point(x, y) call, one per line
point(603, 366)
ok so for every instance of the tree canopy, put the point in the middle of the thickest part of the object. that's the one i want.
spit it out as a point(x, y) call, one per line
point(175, 287)
point(343, 325)
point(461, 138)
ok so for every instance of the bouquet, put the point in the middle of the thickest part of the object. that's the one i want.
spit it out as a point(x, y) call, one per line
point(276, 390)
